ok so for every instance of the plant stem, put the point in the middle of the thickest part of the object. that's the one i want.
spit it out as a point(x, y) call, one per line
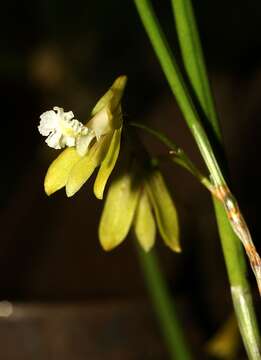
point(193, 59)
point(233, 252)
point(240, 290)
point(177, 154)
point(163, 305)
point(178, 87)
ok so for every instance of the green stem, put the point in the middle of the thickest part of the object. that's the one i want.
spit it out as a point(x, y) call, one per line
point(240, 289)
point(233, 252)
point(178, 87)
point(194, 61)
point(163, 305)
point(178, 155)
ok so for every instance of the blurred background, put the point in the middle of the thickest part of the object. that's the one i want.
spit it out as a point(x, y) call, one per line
point(68, 299)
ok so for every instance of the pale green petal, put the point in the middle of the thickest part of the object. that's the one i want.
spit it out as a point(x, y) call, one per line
point(118, 211)
point(84, 168)
point(144, 223)
point(112, 96)
point(165, 211)
point(59, 170)
point(108, 164)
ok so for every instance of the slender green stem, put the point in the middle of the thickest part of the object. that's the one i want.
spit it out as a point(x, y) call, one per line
point(178, 155)
point(193, 59)
point(178, 87)
point(233, 252)
point(164, 305)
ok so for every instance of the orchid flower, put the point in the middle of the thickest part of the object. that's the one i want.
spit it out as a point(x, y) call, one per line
point(97, 143)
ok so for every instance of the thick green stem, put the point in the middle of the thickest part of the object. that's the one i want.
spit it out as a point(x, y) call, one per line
point(164, 305)
point(233, 252)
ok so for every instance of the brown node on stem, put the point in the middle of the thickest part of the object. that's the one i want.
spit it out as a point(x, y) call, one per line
point(238, 224)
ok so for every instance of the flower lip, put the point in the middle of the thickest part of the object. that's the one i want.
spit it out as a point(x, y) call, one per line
point(61, 128)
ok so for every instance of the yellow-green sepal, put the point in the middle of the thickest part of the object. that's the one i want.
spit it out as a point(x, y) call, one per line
point(118, 212)
point(84, 168)
point(108, 164)
point(144, 223)
point(58, 171)
point(164, 209)
point(113, 96)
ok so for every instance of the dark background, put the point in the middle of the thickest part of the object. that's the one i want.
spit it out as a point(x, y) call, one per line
point(63, 53)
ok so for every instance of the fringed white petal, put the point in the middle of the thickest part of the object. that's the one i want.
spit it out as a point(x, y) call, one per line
point(61, 128)
point(48, 122)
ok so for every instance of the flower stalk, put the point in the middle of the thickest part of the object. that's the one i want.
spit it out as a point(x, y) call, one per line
point(164, 305)
point(178, 155)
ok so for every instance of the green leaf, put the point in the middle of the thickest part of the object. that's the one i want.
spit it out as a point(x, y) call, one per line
point(108, 164)
point(58, 171)
point(165, 211)
point(193, 59)
point(144, 223)
point(118, 211)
